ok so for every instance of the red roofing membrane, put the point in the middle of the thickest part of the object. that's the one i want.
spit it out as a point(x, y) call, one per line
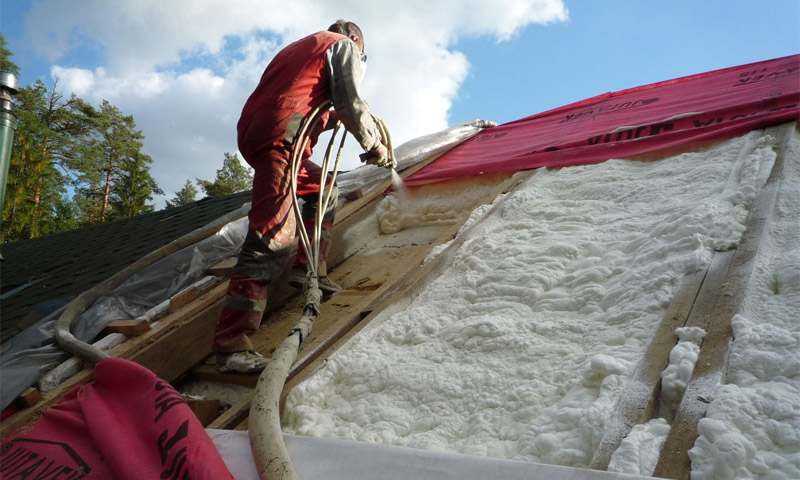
point(699, 108)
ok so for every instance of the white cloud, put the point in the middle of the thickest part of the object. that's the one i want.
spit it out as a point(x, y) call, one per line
point(184, 68)
point(77, 80)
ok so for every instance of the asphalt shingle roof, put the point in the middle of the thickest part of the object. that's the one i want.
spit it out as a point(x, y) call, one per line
point(42, 270)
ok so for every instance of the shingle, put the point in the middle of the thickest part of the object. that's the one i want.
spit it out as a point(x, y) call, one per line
point(68, 263)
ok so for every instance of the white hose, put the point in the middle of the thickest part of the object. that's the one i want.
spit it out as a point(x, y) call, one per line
point(264, 424)
point(387, 137)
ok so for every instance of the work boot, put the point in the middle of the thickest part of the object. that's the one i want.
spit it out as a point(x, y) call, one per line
point(297, 279)
point(247, 361)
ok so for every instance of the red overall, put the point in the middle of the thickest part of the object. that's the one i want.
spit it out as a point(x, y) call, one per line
point(296, 80)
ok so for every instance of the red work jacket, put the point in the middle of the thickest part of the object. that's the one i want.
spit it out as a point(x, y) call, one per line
point(296, 80)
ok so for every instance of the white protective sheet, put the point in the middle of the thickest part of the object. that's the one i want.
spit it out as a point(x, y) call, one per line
point(331, 459)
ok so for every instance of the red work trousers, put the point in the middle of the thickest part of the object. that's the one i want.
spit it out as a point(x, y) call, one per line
point(268, 244)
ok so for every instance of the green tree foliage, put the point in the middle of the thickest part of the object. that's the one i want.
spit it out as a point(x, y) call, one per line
point(134, 188)
point(184, 196)
point(113, 148)
point(6, 65)
point(66, 216)
point(44, 153)
point(231, 178)
point(62, 143)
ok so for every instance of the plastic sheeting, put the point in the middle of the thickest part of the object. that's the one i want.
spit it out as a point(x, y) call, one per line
point(32, 353)
point(331, 459)
point(700, 108)
point(411, 153)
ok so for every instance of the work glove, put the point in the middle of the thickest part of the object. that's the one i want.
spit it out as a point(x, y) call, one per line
point(378, 156)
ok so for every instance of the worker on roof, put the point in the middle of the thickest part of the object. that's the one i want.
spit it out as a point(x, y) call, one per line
point(323, 66)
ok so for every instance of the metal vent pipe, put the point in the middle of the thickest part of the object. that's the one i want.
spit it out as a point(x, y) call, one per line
point(8, 125)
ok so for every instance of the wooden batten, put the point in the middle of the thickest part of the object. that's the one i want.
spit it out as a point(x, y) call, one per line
point(354, 195)
point(29, 398)
point(205, 410)
point(729, 295)
point(223, 268)
point(183, 298)
point(131, 328)
point(209, 373)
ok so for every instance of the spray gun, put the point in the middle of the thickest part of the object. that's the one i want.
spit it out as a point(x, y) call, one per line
point(8, 125)
point(378, 160)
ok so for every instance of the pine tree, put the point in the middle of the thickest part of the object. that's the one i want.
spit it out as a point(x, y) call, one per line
point(231, 178)
point(61, 142)
point(66, 216)
point(44, 154)
point(6, 65)
point(134, 188)
point(184, 196)
point(120, 173)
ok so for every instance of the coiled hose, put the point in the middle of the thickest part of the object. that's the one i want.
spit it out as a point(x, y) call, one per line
point(264, 424)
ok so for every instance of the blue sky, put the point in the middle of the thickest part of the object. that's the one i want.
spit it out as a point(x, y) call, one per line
point(183, 68)
point(610, 45)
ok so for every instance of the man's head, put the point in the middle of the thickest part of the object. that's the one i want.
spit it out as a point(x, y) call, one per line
point(350, 30)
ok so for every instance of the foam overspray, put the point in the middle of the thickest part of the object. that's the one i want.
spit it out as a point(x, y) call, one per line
point(399, 186)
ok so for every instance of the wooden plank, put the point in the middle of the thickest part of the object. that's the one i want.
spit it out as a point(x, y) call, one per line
point(234, 415)
point(167, 324)
point(185, 345)
point(183, 298)
point(208, 372)
point(189, 340)
point(642, 389)
point(639, 402)
point(711, 290)
point(173, 321)
point(223, 268)
point(354, 195)
point(28, 416)
point(30, 397)
point(131, 328)
point(344, 313)
point(205, 410)
point(326, 333)
point(674, 461)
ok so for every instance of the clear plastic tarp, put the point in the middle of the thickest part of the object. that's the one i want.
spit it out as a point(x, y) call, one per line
point(410, 153)
point(33, 352)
